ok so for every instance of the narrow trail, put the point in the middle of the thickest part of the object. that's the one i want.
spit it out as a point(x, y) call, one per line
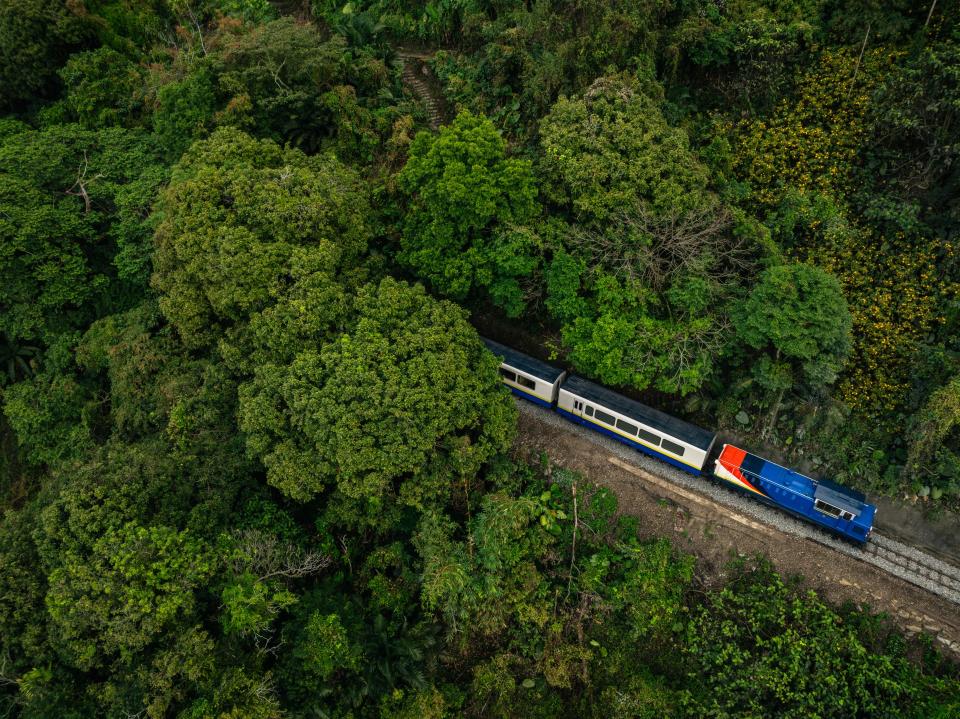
point(416, 73)
point(415, 76)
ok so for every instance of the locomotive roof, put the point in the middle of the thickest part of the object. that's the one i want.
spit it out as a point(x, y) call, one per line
point(522, 362)
point(822, 489)
point(827, 491)
point(677, 428)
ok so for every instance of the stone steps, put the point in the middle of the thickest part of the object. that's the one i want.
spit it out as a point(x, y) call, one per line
point(414, 73)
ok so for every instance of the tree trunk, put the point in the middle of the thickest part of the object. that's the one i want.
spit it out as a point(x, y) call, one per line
point(773, 414)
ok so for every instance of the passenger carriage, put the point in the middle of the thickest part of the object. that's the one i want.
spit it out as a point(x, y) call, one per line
point(834, 507)
point(680, 443)
point(527, 376)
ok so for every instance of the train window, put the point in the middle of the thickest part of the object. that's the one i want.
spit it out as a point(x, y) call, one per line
point(589, 411)
point(604, 417)
point(650, 437)
point(626, 427)
point(673, 447)
point(524, 382)
point(827, 508)
point(846, 515)
point(507, 374)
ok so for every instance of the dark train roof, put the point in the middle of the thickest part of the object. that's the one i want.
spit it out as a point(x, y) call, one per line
point(524, 363)
point(848, 491)
point(844, 499)
point(684, 431)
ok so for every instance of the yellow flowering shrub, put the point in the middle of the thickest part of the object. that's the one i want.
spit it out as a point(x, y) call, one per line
point(896, 294)
point(811, 141)
point(810, 147)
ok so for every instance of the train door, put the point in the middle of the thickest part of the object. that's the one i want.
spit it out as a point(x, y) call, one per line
point(578, 407)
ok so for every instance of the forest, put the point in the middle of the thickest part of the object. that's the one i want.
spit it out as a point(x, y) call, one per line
point(255, 461)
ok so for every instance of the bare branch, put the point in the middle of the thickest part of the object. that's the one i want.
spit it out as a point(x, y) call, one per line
point(640, 246)
point(856, 70)
point(196, 24)
point(267, 557)
point(82, 183)
point(930, 14)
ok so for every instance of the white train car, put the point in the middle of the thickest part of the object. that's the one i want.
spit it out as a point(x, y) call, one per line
point(680, 443)
point(526, 376)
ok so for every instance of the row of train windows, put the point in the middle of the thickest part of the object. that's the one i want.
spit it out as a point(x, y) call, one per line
point(831, 510)
point(517, 378)
point(631, 429)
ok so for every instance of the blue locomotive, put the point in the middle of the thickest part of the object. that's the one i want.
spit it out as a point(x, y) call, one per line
point(838, 509)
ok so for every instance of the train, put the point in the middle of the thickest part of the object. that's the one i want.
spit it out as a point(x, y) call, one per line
point(839, 510)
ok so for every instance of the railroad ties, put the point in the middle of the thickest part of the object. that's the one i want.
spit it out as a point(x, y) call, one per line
point(914, 566)
point(894, 558)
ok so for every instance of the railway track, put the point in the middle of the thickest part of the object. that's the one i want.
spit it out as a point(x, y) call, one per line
point(914, 566)
point(900, 560)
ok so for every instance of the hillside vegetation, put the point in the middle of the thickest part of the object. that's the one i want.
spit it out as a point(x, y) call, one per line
point(254, 458)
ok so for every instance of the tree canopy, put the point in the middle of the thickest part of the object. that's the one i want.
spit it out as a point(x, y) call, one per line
point(468, 205)
point(255, 459)
point(402, 407)
point(239, 218)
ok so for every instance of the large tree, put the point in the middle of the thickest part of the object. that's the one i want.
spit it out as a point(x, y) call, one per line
point(73, 207)
point(612, 148)
point(640, 278)
point(405, 405)
point(467, 203)
point(797, 323)
point(241, 220)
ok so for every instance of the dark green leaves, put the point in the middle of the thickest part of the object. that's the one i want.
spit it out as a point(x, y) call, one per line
point(468, 202)
point(406, 401)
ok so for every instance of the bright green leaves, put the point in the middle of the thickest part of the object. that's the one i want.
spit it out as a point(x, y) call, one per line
point(249, 606)
point(651, 590)
point(516, 577)
point(759, 648)
point(798, 313)
point(797, 323)
point(258, 11)
point(627, 343)
point(479, 588)
point(640, 283)
point(930, 454)
point(324, 648)
point(262, 569)
point(463, 230)
point(613, 148)
point(138, 583)
point(407, 396)
point(241, 217)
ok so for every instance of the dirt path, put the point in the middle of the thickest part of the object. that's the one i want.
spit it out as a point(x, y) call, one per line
point(699, 525)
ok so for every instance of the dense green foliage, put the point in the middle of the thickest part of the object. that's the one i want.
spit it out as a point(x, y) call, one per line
point(241, 219)
point(464, 227)
point(251, 467)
